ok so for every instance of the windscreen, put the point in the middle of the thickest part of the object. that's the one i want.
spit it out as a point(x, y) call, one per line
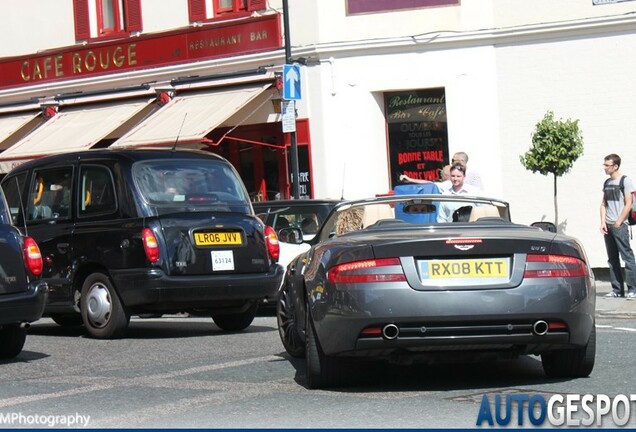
point(191, 183)
point(399, 212)
point(306, 217)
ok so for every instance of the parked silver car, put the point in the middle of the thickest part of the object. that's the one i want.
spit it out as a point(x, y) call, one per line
point(384, 279)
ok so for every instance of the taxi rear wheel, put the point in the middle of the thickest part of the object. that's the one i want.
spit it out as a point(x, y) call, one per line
point(236, 321)
point(102, 311)
point(12, 338)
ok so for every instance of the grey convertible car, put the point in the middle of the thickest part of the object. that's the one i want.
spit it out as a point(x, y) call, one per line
point(436, 278)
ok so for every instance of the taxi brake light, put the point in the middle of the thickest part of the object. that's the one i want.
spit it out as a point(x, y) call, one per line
point(151, 247)
point(271, 240)
point(32, 257)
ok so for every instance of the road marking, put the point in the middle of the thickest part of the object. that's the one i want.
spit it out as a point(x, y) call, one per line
point(626, 329)
point(26, 399)
point(126, 382)
point(611, 327)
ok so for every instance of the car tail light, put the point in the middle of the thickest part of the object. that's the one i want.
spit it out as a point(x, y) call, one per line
point(554, 266)
point(151, 247)
point(271, 239)
point(373, 270)
point(32, 257)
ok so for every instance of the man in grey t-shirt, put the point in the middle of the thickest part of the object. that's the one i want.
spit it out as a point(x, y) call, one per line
point(615, 207)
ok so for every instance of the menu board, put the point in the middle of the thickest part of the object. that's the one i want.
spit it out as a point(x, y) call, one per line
point(418, 133)
point(304, 175)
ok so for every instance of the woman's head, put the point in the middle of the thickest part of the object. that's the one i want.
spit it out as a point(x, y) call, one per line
point(457, 173)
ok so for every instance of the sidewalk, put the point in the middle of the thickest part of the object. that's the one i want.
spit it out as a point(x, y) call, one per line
point(611, 306)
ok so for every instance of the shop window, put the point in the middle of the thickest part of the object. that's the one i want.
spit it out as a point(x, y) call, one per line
point(106, 18)
point(417, 132)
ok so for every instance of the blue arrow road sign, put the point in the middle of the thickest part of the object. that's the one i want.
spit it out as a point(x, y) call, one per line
point(291, 82)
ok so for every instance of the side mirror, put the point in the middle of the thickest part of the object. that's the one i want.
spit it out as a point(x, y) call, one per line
point(290, 235)
point(545, 226)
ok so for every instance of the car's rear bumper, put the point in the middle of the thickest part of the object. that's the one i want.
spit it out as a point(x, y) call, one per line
point(152, 289)
point(453, 321)
point(24, 307)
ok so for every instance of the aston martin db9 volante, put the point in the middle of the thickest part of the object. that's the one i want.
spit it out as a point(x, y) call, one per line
point(436, 278)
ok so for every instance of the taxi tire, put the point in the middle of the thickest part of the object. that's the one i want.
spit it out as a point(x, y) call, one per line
point(322, 371)
point(100, 297)
point(12, 338)
point(286, 317)
point(571, 363)
point(236, 321)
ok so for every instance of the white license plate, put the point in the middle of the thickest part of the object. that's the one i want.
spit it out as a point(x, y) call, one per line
point(222, 260)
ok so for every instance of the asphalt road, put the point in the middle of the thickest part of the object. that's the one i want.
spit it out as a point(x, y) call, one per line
point(185, 372)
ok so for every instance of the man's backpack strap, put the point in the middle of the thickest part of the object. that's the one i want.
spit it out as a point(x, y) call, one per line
point(630, 220)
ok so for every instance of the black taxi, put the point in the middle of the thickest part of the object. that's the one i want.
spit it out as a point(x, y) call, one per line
point(22, 293)
point(134, 232)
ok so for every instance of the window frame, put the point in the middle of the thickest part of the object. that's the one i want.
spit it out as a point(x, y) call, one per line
point(45, 172)
point(211, 10)
point(119, 22)
point(13, 189)
point(238, 6)
point(88, 18)
point(82, 213)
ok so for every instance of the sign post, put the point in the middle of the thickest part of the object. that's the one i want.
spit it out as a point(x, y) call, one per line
point(291, 93)
point(294, 75)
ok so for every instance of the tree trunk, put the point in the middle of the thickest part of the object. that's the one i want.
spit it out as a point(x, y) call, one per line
point(556, 205)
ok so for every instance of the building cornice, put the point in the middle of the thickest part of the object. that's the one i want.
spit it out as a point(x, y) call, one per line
point(440, 40)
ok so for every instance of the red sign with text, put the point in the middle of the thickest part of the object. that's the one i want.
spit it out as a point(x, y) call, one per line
point(146, 51)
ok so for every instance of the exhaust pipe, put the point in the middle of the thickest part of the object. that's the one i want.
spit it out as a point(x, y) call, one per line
point(390, 331)
point(540, 328)
point(25, 325)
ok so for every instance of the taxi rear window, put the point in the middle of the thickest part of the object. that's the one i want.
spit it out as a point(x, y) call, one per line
point(191, 183)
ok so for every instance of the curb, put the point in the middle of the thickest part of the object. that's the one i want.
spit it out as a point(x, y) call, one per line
point(610, 307)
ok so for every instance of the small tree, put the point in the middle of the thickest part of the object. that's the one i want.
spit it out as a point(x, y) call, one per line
point(556, 144)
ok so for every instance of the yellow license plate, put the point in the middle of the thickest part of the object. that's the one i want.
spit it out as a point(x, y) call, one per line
point(218, 238)
point(464, 268)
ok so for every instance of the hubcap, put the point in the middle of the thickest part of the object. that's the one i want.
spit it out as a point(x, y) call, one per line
point(98, 305)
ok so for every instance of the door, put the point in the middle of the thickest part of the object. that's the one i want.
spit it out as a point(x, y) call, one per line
point(49, 219)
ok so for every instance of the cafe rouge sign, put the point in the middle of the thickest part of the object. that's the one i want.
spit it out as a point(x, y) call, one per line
point(257, 35)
